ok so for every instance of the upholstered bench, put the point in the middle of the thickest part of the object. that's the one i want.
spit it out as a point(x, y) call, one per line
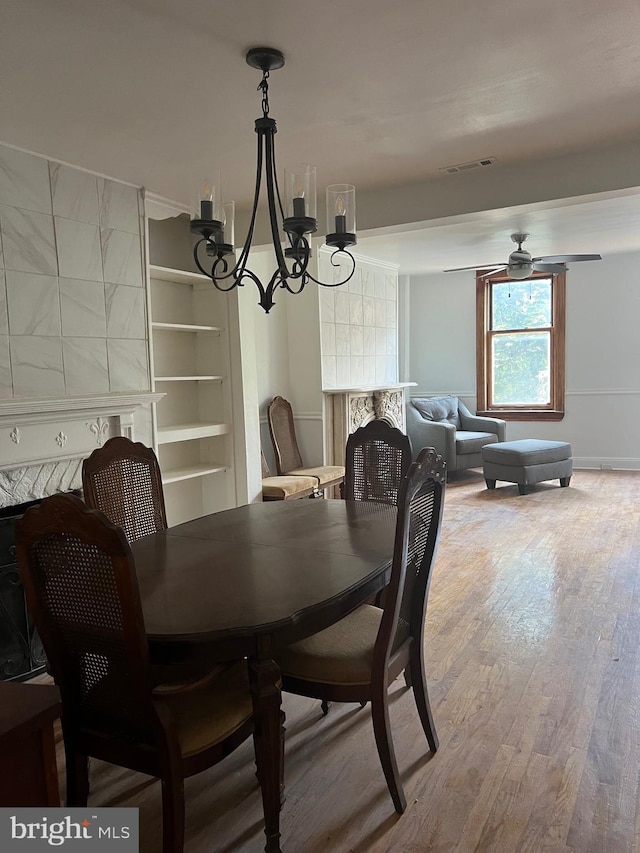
point(525, 462)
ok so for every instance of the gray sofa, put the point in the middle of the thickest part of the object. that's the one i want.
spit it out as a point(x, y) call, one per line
point(457, 435)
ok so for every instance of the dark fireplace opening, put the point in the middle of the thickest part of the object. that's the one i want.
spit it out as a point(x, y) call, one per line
point(21, 652)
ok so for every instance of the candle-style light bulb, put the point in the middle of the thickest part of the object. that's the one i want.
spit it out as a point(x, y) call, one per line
point(299, 207)
point(206, 203)
point(341, 219)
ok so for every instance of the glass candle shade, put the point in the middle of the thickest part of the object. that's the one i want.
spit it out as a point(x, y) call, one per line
point(228, 223)
point(300, 192)
point(341, 209)
point(206, 198)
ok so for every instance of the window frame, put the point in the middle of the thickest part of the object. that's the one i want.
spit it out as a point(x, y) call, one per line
point(554, 411)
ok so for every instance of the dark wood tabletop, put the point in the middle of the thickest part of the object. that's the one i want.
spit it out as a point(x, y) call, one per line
point(265, 567)
point(243, 582)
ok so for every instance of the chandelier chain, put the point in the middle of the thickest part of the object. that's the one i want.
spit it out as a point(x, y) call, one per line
point(264, 86)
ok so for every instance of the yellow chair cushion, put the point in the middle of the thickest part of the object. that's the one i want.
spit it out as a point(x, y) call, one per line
point(341, 654)
point(324, 473)
point(281, 488)
point(205, 717)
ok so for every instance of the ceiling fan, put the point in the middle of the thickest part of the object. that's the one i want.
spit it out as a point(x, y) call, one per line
point(522, 265)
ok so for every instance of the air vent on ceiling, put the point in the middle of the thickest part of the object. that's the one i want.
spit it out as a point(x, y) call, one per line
point(465, 167)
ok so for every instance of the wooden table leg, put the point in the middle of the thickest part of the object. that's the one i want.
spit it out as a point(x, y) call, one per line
point(266, 686)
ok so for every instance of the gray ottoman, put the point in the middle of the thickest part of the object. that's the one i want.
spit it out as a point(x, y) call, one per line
point(525, 462)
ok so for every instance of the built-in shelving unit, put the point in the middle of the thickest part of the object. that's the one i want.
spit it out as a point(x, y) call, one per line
point(189, 330)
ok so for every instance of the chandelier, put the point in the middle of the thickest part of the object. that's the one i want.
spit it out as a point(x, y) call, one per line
point(213, 220)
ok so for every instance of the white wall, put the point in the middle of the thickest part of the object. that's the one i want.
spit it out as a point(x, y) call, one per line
point(602, 355)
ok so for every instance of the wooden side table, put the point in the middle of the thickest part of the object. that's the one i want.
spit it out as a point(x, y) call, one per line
point(28, 771)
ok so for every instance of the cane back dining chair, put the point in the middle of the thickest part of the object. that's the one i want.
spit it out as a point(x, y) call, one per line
point(81, 588)
point(122, 479)
point(287, 453)
point(285, 488)
point(358, 658)
point(378, 457)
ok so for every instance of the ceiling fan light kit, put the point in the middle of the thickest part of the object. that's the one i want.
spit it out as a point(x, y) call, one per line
point(521, 265)
point(213, 220)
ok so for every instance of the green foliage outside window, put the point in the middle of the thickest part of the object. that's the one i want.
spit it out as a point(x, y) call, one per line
point(521, 359)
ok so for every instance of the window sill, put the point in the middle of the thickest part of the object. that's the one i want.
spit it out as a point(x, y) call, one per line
point(523, 414)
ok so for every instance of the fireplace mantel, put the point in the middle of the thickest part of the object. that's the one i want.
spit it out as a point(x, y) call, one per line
point(43, 440)
point(347, 409)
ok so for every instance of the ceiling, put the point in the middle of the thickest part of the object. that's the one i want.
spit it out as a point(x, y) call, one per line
point(374, 93)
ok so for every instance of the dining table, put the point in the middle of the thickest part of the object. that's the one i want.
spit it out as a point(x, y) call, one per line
point(243, 582)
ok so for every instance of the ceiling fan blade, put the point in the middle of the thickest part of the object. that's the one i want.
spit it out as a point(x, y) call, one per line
point(478, 267)
point(549, 267)
point(566, 259)
point(493, 271)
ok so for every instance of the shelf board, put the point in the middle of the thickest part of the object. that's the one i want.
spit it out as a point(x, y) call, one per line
point(175, 475)
point(185, 327)
point(178, 276)
point(187, 432)
point(197, 378)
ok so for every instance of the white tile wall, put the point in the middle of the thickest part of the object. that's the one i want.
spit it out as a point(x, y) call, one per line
point(359, 326)
point(72, 304)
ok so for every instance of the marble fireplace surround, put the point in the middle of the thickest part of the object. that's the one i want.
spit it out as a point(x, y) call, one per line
point(346, 409)
point(43, 441)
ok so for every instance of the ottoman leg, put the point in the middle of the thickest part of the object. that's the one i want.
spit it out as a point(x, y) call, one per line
point(564, 481)
point(522, 489)
point(491, 484)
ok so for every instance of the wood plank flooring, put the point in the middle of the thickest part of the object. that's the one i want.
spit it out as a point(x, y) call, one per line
point(533, 661)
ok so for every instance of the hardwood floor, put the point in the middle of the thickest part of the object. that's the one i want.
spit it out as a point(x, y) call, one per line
point(533, 662)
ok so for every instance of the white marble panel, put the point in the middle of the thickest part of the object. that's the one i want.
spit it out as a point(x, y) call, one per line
point(369, 370)
point(28, 241)
point(357, 340)
point(368, 311)
point(391, 370)
point(327, 305)
point(24, 180)
point(36, 363)
point(355, 309)
point(342, 306)
point(380, 312)
point(128, 365)
point(390, 314)
point(381, 341)
point(328, 371)
point(368, 281)
point(356, 369)
point(85, 365)
point(343, 371)
point(6, 388)
point(74, 193)
point(4, 318)
point(391, 286)
point(328, 338)
point(369, 340)
point(121, 257)
point(392, 342)
point(381, 368)
point(34, 304)
point(125, 311)
point(379, 284)
point(118, 206)
point(355, 285)
point(82, 306)
point(343, 339)
point(78, 249)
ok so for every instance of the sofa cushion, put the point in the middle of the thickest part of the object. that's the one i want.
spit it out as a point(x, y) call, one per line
point(473, 442)
point(443, 409)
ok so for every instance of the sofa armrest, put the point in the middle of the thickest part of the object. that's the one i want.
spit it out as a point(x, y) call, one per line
point(476, 423)
point(436, 434)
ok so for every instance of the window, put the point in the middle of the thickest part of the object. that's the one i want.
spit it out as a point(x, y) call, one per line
point(520, 346)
